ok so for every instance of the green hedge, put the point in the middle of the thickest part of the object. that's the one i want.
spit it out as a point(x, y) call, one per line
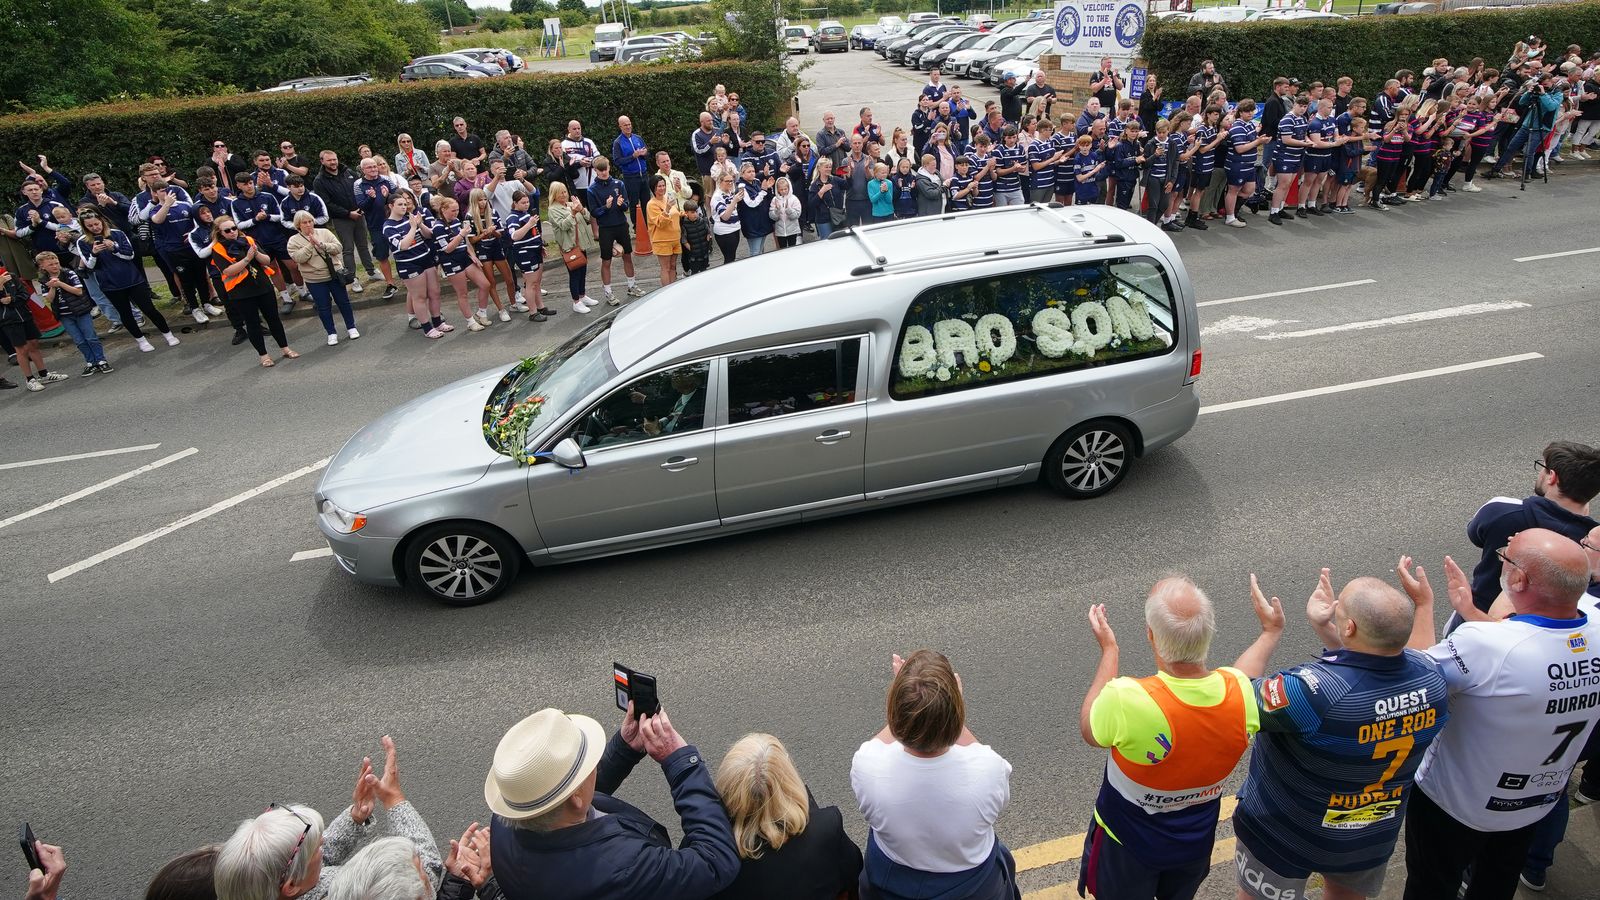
point(1369, 49)
point(663, 101)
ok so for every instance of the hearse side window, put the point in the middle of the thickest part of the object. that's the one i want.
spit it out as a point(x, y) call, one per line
point(772, 383)
point(1027, 324)
point(672, 401)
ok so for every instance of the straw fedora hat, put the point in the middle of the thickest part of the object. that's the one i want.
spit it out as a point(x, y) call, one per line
point(541, 761)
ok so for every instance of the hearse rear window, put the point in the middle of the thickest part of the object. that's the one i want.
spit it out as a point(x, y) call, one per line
point(1027, 324)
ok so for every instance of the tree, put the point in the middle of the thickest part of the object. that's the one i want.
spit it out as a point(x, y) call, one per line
point(576, 6)
point(62, 53)
point(747, 29)
point(537, 8)
point(498, 20)
point(459, 13)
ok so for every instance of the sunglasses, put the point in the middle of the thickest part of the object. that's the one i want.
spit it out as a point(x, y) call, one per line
point(227, 230)
point(284, 875)
point(219, 146)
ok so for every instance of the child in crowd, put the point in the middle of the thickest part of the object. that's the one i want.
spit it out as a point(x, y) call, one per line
point(962, 185)
point(16, 320)
point(983, 163)
point(696, 239)
point(1444, 160)
point(880, 191)
point(1086, 171)
point(905, 189)
point(64, 291)
point(1127, 158)
point(1350, 166)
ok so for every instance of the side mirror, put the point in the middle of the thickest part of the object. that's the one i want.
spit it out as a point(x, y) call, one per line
point(568, 455)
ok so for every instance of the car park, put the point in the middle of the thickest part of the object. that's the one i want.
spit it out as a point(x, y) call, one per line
point(911, 33)
point(934, 58)
point(831, 36)
point(917, 18)
point(897, 54)
point(862, 37)
point(914, 56)
point(892, 23)
point(896, 362)
point(317, 83)
point(607, 39)
point(969, 63)
point(424, 71)
point(981, 21)
point(797, 38)
point(634, 47)
point(465, 62)
point(1029, 52)
point(505, 59)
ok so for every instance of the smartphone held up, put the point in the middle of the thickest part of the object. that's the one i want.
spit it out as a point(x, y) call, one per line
point(637, 687)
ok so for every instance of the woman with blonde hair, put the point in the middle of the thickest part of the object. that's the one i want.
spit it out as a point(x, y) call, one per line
point(571, 227)
point(488, 243)
point(458, 264)
point(245, 273)
point(319, 254)
point(789, 848)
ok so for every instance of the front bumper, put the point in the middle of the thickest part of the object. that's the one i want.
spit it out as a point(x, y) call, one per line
point(366, 559)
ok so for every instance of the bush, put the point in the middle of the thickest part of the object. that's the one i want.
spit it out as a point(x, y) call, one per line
point(498, 20)
point(663, 100)
point(1369, 49)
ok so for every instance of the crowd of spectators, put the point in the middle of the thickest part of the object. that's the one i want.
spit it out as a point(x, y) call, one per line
point(1467, 743)
point(251, 235)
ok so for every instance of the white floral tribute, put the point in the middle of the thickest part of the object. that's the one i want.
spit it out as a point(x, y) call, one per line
point(988, 343)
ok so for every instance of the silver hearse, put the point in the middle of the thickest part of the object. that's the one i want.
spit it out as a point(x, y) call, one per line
point(891, 363)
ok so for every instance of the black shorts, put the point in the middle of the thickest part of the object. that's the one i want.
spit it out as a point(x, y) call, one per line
point(612, 235)
point(1200, 180)
point(19, 333)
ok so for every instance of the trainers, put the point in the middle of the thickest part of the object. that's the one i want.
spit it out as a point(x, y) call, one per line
point(412, 323)
point(1492, 159)
point(546, 311)
point(285, 305)
point(389, 291)
point(588, 301)
point(505, 316)
point(354, 334)
point(518, 300)
point(115, 327)
point(34, 385)
point(434, 334)
point(1235, 223)
point(1343, 211)
point(355, 286)
point(1314, 211)
point(144, 344)
point(238, 338)
point(105, 368)
point(172, 339)
point(542, 292)
point(212, 309)
point(1471, 188)
point(612, 301)
point(7, 384)
point(54, 377)
point(200, 317)
point(1532, 880)
point(1275, 218)
point(578, 307)
point(88, 369)
point(474, 325)
point(635, 291)
point(538, 317)
point(1300, 212)
point(519, 307)
point(333, 340)
point(481, 317)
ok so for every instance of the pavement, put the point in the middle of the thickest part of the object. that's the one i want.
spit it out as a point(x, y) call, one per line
point(178, 655)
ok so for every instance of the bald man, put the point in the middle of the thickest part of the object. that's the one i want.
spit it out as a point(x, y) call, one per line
point(1341, 738)
point(1524, 697)
point(1172, 739)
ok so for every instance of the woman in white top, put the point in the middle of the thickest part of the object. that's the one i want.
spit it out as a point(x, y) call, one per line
point(725, 217)
point(931, 794)
point(785, 214)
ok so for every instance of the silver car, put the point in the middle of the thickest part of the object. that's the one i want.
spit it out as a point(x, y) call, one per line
point(891, 363)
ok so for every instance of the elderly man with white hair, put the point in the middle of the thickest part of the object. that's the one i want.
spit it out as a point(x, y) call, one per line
point(290, 852)
point(1172, 740)
point(393, 868)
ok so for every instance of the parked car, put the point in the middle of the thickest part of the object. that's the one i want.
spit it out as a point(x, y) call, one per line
point(934, 58)
point(914, 58)
point(317, 83)
point(423, 71)
point(911, 33)
point(981, 21)
point(683, 37)
point(920, 17)
point(797, 38)
point(608, 37)
point(1026, 63)
point(1416, 9)
point(465, 62)
point(897, 54)
point(990, 47)
point(1225, 14)
point(1294, 15)
point(862, 37)
point(1035, 47)
point(629, 49)
point(785, 392)
point(892, 23)
point(508, 62)
point(831, 36)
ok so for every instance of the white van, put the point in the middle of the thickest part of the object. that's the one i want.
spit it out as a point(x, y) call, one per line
point(607, 38)
point(918, 18)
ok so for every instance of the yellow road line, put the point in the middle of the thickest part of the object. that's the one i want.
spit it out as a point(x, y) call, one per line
point(1060, 850)
point(1221, 853)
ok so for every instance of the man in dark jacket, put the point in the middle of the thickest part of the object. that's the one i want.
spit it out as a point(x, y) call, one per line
point(559, 834)
point(336, 185)
point(1206, 80)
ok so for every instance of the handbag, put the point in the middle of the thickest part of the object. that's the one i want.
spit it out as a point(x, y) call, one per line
point(837, 216)
point(575, 259)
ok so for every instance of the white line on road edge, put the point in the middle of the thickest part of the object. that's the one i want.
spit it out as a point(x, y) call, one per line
point(1449, 312)
point(184, 522)
point(1554, 255)
point(319, 553)
point(96, 488)
point(1304, 290)
point(1371, 382)
point(55, 459)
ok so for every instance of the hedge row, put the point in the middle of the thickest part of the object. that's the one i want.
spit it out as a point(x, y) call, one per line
point(1369, 49)
point(663, 101)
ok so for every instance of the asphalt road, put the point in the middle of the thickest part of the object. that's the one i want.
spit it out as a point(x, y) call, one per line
point(159, 696)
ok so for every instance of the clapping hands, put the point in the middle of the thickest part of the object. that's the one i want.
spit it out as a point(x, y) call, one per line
point(469, 857)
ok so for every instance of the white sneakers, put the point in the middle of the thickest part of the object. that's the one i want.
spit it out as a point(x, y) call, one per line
point(144, 344)
point(212, 309)
point(354, 334)
point(333, 340)
point(172, 339)
point(1471, 188)
point(474, 325)
point(200, 317)
point(481, 317)
point(519, 307)
point(634, 290)
point(505, 316)
point(355, 286)
point(578, 307)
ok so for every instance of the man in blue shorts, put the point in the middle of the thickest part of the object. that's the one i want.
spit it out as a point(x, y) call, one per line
point(1341, 737)
point(1291, 146)
point(1243, 141)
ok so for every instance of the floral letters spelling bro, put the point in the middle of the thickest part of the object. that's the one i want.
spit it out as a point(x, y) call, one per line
point(969, 334)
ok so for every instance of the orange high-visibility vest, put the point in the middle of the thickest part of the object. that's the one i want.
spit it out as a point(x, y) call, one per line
point(1206, 744)
point(229, 282)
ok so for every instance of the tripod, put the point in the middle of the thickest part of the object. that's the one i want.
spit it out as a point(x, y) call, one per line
point(1532, 152)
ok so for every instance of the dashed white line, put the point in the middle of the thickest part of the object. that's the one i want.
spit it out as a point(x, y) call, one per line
point(96, 488)
point(1555, 255)
point(186, 521)
point(1449, 312)
point(1371, 382)
point(72, 456)
point(1304, 290)
point(319, 553)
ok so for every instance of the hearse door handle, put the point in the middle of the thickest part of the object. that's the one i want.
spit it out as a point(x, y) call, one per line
point(679, 463)
point(832, 436)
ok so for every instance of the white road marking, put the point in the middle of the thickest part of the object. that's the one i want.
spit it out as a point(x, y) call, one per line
point(185, 522)
point(1371, 382)
point(1449, 312)
point(1304, 290)
point(319, 553)
point(1241, 325)
point(96, 488)
point(1554, 255)
point(55, 459)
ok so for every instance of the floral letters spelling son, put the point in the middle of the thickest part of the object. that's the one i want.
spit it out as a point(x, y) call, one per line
point(990, 341)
